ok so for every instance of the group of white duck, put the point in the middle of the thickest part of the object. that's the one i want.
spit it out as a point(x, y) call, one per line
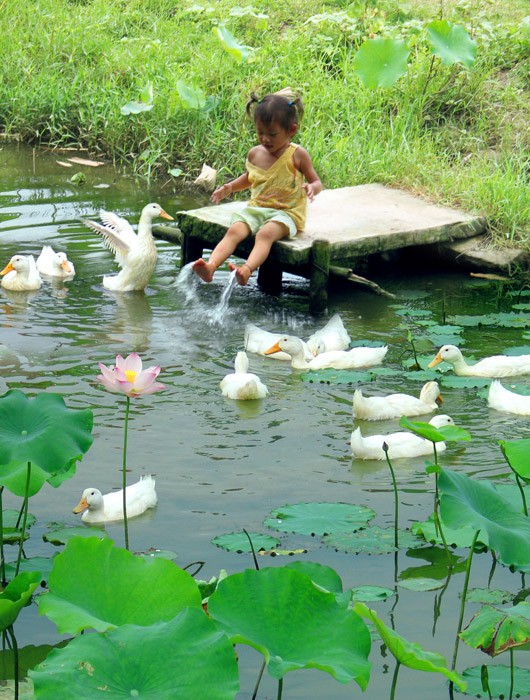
point(328, 348)
point(135, 253)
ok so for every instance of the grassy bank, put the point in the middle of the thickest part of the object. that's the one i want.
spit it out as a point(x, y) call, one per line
point(459, 136)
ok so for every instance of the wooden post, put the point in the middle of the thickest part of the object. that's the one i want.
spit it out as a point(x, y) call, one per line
point(318, 282)
point(190, 250)
point(270, 277)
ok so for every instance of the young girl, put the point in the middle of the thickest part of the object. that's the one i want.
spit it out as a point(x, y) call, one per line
point(276, 170)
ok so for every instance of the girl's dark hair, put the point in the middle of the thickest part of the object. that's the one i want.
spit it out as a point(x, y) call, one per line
point(284, 111)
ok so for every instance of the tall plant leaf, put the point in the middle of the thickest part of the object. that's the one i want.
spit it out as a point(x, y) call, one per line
point(96, 585)
point(190, 97)
point(466, 501)
point(380, 62)
point(16, 595)
point(185, 658)
point(429, 432)
point(494, 631)
point(238, 51)
point(328, 637)
point(451, 43)
point(42, 430)
point(517, 453)
point(408, 653)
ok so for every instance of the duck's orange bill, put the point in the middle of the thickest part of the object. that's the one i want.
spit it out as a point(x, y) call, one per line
point(436, 361)
point(166, 216)
point(66, 266)
point(7, 268)
point(439, 399)
point(273, 349)
point(82, 505)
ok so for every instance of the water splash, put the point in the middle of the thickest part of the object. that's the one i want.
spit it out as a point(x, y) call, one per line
point(187, 283)
point(217, 315)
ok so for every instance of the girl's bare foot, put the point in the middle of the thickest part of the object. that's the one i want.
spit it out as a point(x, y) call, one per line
point(203, 269)
point(242, 273)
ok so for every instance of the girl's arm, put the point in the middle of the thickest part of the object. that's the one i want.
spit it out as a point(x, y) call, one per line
point(303, 163)
point(237, 185)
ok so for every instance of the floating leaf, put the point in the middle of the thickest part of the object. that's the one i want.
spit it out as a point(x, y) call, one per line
point(238, 51)
point(42, 430)
point(328, 637)
point(369, 594)
point(158, 554)
point(454, 382)
point(408, 653)
point(371, 540)
point(451, 43)
point(413, 313)
point(238, 541)
point(16, 595)
point(63, 535)
point(96, 585)
point(507, 320)
point(421, 584)
point(477, 504)
point(499, 681)
point(281, 552)
point(319, 518)
point(494, 631)
point(42, 565)
point(132, 661)
point(348, 376)
point(487, 596)
point(381, 62)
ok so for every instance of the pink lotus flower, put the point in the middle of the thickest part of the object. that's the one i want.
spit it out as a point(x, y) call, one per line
point(127, 377)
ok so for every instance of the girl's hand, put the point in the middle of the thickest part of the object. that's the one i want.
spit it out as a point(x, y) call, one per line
point(221, 193)
point(310, 190)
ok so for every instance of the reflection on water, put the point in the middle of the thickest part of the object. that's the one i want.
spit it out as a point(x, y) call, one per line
point(222, 465)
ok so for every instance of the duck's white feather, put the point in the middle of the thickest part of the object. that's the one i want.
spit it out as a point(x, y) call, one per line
point(99, 508)
point(396, 405)
point(258, 341)
point(54, 264)
point(494, 366)
point(242, 385)
point(336, 359)
point(21, 274)
point(502, 399)
point(333, 336)
point(400, 444)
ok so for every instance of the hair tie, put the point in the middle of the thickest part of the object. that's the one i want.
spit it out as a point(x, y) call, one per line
point(291, 102)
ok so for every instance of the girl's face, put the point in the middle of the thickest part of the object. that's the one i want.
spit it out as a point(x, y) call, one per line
point(273, 137)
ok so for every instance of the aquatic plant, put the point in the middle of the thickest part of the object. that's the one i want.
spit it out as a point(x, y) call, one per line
point(128, 377)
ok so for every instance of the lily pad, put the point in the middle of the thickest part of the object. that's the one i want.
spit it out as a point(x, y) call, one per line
point(421, 584)
point(453, 382)
point(238, 542)
point(328, 637)
point(372, 540)
point(96, 585)
point(132, 661)
point(493, 631)
point(347, 376)
point(370, 594)
point(65, 534)
point(41, 564)
point(487, 596)
point(505, 319)
point(499, 681)
point(319, 518)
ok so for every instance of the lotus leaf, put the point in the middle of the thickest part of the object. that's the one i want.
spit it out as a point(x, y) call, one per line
point(347, 376)
point(135, 107)
point(186, 657)
point(372, 540)
point(438, 566)
point(408, 653)
point(494, 631)
point(190, 97)
point(43, 565)
point(238, 541)
point(63, 535)
point(319, 518)
point(381, 62)
point(238, 51)
point(28, 657)
point(477, 504)
point(429, 432)
point(323, 576)
point(370, 593)
point(96, 585)
point(507, 320)
point(499, 681)
point(16, 595)
point(485, 595)
point(451, 43)
point(460, 537)
point(328, 637)
point(517, 453)
point(42, 430)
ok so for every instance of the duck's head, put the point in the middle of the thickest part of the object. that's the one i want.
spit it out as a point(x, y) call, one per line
point(441, 420)
point(153, 210)
point(60, 260)
point(447, 353)
point(289, 344)
point(431, 392)
point(20, 263)
point(91, 498)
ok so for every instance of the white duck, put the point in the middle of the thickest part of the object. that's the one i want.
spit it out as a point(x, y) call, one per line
point(258, 341)
point(99, 508)
point(402, 444)
point(332, 337)
point(54, 264)
point(243, 385)
point(337, 359)
point(502, 399)
point(495, 366)
point(135, 253)
point(21, 274)
point(396, 405)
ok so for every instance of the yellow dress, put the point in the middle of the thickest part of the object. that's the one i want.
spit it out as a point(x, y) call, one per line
point(279, 187)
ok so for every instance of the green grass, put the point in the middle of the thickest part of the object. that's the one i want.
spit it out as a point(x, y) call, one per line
point(459, 137)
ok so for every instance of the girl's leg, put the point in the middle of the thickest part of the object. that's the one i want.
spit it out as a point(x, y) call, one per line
point(226, 246)
point(267, 235)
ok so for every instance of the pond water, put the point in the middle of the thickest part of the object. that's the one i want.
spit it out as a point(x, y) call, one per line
point(220, 465)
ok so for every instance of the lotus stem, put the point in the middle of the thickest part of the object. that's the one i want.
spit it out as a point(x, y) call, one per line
point(24, 519)
point(124, 473)
point(253, 550)
point(396, 504)
point(254, 694)
point(280, 689)
point(511, 674)
point(2, 557)
point(463, 603)
point(394, 680)
point(15, 658)
point(523, 497)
